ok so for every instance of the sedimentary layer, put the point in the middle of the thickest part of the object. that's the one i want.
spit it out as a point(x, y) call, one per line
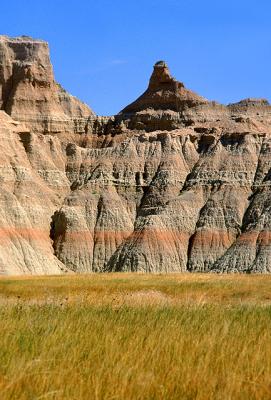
point(173, 183)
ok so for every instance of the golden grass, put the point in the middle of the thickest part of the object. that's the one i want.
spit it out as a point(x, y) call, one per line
point(125, 336)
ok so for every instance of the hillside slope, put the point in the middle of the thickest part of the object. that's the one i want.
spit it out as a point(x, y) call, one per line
point(172, 183)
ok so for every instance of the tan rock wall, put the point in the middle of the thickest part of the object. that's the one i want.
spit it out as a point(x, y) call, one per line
point(173, 183)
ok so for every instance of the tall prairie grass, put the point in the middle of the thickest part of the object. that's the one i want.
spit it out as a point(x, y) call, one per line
point(122, 337)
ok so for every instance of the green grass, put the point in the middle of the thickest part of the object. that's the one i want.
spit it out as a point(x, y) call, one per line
point(135, 337)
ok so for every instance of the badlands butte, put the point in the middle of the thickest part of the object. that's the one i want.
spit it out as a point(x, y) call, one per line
point(172, 183)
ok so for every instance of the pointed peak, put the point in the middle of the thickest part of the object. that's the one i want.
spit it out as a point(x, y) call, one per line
point(161, 76)
point(164, 93)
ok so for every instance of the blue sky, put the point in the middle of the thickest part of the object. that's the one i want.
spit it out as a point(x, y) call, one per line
point(103, 51)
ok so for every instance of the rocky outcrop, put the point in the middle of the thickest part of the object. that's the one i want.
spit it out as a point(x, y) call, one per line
point(164, 93)
point(160, 106)
point(29, 93)
point(33, 183)
point(172, 183)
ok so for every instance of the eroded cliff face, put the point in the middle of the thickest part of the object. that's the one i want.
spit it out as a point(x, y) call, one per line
point(29, 93)
point(172, 183)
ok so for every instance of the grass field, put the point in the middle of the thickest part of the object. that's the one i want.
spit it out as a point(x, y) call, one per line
point(125, 336)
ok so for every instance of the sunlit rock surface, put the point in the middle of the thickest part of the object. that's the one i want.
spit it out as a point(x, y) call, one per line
point(173, 183)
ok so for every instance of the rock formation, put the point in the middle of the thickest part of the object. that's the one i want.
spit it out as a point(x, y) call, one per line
point(172, 183)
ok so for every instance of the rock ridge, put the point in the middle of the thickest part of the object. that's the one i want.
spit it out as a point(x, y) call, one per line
point(173, 183)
